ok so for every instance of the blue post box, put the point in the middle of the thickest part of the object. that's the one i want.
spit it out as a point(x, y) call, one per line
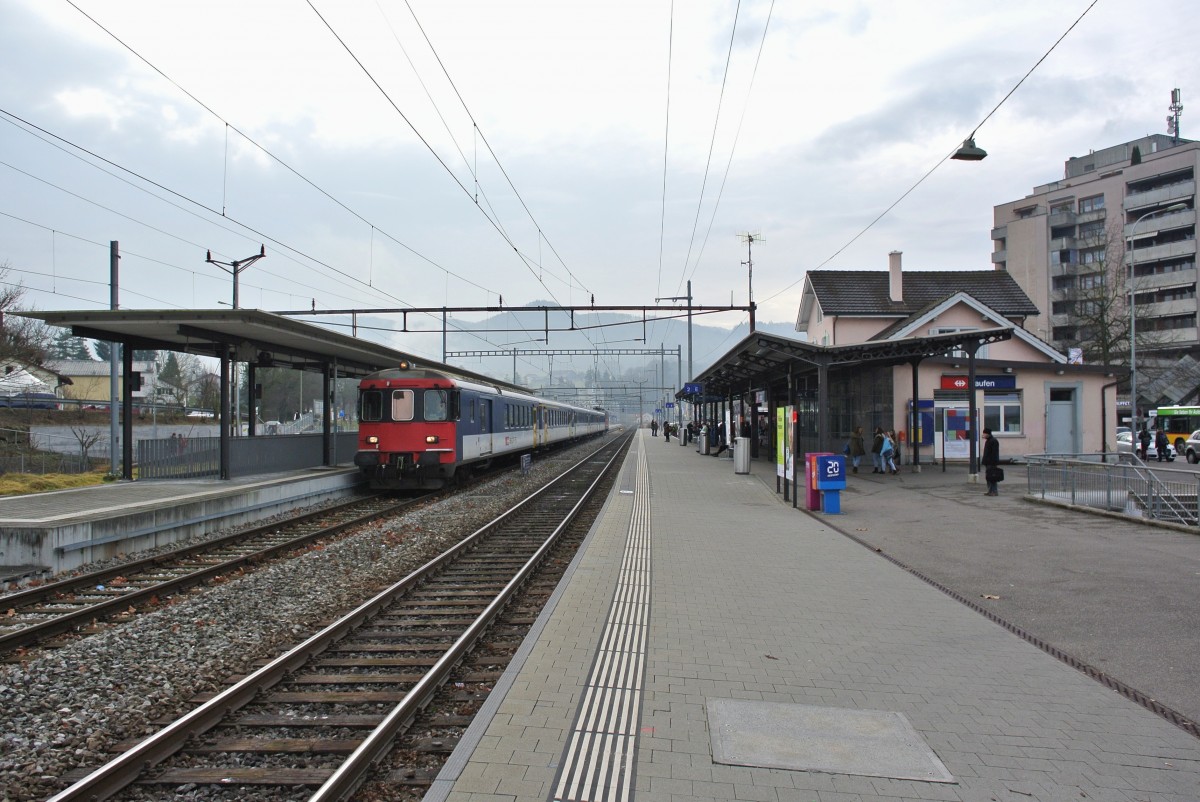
point(831, 481)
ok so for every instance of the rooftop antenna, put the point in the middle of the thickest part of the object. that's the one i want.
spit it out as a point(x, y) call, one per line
point(749, 239)
point(1176, 108)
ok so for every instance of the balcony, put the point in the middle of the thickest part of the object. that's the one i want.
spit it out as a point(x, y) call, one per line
point(999, 257)
point(1156, 253)
point(1000, 232)
point(1062, 244)
point(1061, 219)
point(1187, 217)
point(1162, 195)
point(1182, 306)
point(1181, 278)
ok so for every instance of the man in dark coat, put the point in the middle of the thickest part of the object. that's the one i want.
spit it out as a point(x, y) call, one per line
point(990, 462)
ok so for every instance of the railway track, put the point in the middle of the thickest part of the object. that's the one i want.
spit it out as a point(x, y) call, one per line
point(37, 615)
point(311, 723)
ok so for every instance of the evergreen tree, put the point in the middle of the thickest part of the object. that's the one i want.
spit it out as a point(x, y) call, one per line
point(170, 373)
point(67, 346)
point(103, 349)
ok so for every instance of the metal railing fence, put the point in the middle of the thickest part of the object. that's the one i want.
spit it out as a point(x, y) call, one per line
point(1122, 484)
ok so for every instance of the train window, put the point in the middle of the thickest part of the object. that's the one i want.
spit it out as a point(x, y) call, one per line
point(370, 405)
point(436, 404)
point(402, 405)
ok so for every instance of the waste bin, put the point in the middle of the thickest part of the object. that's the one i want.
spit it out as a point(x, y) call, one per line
point(741, 455)
point(703, 447)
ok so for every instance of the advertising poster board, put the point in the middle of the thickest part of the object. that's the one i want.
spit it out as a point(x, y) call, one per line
point(783, 442)
point(957, 433)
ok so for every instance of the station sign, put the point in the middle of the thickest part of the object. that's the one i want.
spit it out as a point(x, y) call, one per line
point(1003, 381)
point(693, 388)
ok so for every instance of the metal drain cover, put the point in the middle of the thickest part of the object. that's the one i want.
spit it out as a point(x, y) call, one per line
point(776, 735)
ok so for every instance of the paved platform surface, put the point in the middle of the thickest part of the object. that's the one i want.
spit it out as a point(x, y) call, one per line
point(84, 502)
point(744, 651)
point(150, 505)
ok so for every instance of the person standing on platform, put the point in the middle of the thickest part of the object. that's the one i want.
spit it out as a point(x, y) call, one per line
point(877, 450)
point(667, 430)
point(887, 453)
point(654, 428)
point(1161, 445)
point(721, 444)
point(1144, 439)
point(857, 448)
point(991, 462)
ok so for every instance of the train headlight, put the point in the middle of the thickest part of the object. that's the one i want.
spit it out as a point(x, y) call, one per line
point(432, 438)
point(372, 440)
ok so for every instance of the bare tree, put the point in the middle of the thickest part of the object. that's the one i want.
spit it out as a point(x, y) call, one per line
point(86, 439)
point(1094, 294)
point(22, 340)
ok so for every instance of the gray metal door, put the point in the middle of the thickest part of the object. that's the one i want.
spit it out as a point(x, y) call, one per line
point(1061, 431)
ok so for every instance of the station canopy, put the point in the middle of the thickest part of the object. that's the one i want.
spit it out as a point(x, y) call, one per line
point(762, 358)
point(246, 335)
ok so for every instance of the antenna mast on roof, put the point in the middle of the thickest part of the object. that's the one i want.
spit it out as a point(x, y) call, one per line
point(1176, 108)
point(749, 239)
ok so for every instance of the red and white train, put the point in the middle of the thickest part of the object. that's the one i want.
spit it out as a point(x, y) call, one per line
point(418, 428)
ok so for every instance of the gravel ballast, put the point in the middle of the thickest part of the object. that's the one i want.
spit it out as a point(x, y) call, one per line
point(62, 709)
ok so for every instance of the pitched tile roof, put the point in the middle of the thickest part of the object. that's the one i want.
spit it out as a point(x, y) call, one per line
point(865, 292)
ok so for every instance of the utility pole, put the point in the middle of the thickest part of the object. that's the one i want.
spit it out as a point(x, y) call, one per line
point(687, 298)
point(750, 239)
point(236, 267)
point(114, 260)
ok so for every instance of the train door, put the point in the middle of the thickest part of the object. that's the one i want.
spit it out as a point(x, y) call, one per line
point(539, 426)
point(485, 426)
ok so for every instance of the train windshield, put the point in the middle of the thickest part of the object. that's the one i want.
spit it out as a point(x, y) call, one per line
point(370, 405)
point(402, 404)
point(437, 405)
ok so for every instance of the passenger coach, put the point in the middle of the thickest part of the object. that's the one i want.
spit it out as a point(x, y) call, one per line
point(417, 428)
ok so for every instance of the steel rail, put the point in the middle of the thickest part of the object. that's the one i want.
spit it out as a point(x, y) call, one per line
point(124, 769)
point(347, 778)
point(70, 621)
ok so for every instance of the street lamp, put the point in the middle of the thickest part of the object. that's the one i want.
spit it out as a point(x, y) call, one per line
point(1133, 399)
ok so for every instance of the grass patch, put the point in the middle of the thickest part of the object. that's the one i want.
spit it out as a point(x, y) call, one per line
point(19, 484)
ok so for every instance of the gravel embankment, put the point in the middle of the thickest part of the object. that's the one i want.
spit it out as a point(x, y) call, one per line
point(60, 711)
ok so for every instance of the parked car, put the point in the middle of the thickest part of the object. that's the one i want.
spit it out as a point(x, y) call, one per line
point(31, 401)
point(1191, 447)
point(1125, 445)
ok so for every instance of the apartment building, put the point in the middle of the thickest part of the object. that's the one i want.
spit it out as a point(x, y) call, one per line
point(1072, 245)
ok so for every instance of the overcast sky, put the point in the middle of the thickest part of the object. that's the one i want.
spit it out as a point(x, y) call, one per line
point(385, 136)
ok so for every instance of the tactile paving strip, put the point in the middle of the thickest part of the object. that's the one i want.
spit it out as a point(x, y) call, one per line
point(599, 759)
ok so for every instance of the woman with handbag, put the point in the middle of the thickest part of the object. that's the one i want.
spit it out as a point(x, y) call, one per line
point(991, 463)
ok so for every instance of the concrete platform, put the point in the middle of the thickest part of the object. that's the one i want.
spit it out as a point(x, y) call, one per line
point(699, 589)
point(46, 533)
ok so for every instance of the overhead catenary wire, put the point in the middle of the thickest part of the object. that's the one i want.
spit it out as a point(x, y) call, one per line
point(249, 139)
point(942, 160)
point(387, 96)
point(713, 140)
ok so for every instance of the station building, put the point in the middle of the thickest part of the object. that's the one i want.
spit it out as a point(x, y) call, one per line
point(921, 353)
point(1027, 392)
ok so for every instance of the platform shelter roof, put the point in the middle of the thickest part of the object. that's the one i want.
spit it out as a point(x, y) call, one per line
point(249, 335)
point(761, 358)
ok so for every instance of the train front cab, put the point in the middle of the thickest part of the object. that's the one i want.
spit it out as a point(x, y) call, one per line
point(407, 437)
